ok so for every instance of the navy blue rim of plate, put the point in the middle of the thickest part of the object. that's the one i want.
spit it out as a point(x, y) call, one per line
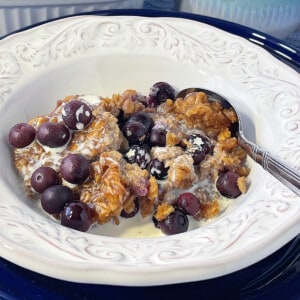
point(280, 49)
point(274, 277)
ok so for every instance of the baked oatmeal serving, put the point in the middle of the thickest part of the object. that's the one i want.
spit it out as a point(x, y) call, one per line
point(94, 160)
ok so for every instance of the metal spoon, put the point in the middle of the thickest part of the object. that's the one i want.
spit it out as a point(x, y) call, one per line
point(270, 163)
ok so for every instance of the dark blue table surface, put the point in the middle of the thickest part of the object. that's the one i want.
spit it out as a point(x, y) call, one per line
point(275, 277)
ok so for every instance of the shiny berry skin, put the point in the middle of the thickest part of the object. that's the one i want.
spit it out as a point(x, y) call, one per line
point(155, 222)
point(134, 132)
point(159, 93)
point(200, 141)
point(143, 118)
point(197, 155)
point(158, 137)
point(77, 215)
point(76, 114)
point(227, 184)
point(189, 203)
point(53, 135)
point(54, 198)
point(158, 170)
point(176, 222)
point(121, 118)
point(138, 154)
point(75, 168)
point(126, 215)
point(43, 177)
point(21, 135)
point(201, 146)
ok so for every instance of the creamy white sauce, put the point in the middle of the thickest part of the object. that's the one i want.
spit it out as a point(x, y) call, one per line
point(56, 150)
point(68, 184)
point(90, 99)
point(63, 111)
point(131, 153)
point(154, 170)
point(79, 111)
point(198, 141)
point(79, 125)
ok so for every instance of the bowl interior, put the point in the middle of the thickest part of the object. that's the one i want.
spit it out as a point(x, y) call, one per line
point(102, 75)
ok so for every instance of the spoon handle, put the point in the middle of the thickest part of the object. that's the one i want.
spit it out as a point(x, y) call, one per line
point(285, 174)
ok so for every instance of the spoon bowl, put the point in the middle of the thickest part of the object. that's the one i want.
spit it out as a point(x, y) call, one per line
point(285, 174)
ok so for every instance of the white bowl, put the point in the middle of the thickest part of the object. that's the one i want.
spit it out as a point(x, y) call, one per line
point(279, 18)
point(16, 14)
point(90, 55)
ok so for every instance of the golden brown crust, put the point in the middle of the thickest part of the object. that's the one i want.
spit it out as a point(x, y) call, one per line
point(163, 210)
point(198, 112)
point(181, 174)
point(209, 209)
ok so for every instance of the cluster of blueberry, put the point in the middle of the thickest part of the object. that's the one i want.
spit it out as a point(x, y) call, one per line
point(56, 198)
point(142, 134)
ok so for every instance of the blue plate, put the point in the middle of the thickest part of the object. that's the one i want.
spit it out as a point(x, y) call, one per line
point(275, 277)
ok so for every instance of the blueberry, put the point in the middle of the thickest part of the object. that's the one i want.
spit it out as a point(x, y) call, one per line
point(159, 93)
point(138, 154)
point(54, 198)
point(53, 135)
point(201, 146)
point(75, 168)
point(143, 118)
point(176, 222)
point(21, 135)
point(76, 114)
point(77, 215)
point(158, 170)
point(227, 184)
point(126, 215)
point(158, 137)
point(197, 154)
point(134, 132)
point(189, 203)
point(200, 141)
point(43, 177)
point(121, 118)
